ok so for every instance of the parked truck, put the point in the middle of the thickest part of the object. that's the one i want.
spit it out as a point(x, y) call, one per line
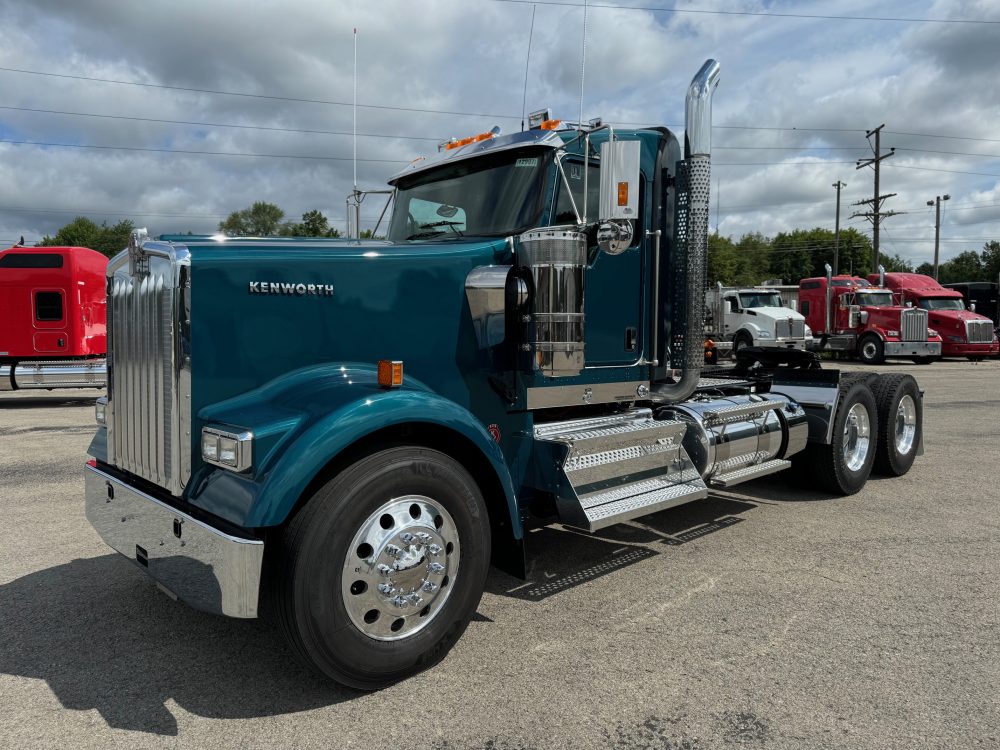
point(981, 297)
point(346, 434)
point(964, 333)
point(850, 315)
point(52, 318)
point(753, 317)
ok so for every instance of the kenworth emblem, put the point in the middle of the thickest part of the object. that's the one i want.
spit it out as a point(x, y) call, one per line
point(301, 290)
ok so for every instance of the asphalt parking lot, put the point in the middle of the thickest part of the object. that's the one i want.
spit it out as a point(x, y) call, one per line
point(763, 617)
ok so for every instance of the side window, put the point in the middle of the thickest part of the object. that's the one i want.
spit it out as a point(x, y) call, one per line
point(804, 305)
point(48, 306)
point(574, 176)
point(430, 214)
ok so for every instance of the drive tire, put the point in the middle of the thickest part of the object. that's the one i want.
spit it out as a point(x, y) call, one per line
point(828, 466)
point(309, 573)
point(871, 349)
point(900, 424)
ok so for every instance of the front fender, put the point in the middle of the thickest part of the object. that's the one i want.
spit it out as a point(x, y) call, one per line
point(303, 420)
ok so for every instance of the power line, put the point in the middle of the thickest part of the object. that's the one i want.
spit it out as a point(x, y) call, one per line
point(199, 153)
point(245, 94)
point(651, 9)
point(218, 124)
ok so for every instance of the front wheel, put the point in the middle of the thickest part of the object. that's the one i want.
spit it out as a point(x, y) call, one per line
point(871, 350)
point(378, 575)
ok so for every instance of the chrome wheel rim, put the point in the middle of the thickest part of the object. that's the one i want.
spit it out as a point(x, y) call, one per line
point(869, 350)
point(400, 568)
point(857, 437)
point(906, 424)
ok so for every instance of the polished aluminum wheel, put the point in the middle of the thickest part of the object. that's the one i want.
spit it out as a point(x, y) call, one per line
point(857, 437)
point(400, 567)
point(906, 424)
point(869, 350)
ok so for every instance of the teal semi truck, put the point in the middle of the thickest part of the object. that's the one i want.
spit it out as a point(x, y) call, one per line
point(346, 434)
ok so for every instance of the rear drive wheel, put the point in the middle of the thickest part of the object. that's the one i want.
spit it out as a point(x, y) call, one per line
point(378, 575)
point(900, 423)
point(843, 466)
point(871, 349)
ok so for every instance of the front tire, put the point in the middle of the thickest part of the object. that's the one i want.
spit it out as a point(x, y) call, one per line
point(378, 575)
point(900, 424)
point(741, 341)
point(871, 349)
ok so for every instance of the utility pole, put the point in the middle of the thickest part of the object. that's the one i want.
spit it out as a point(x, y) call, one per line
point(937, 228)
point(876, 215)
point(836, 233)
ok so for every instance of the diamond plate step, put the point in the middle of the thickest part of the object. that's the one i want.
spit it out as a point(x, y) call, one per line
point(749, 472)
point(607, 509)
point(741, 411)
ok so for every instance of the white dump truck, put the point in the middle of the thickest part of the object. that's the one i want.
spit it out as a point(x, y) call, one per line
point(754, 316)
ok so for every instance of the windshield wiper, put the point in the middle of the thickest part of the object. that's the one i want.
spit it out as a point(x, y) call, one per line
point(452, 225)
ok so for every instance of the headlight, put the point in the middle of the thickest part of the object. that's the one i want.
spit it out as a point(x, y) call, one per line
point(809, 332)
point(230, 450)
point(763, 335)
point(100, 410)
point(956, 339)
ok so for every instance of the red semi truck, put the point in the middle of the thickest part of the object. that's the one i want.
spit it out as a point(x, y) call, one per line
point(963, 332)
point(848, 314)
point(52, 318)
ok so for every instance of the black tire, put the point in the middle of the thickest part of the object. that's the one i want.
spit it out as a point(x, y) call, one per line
point(306, 574)
point(740, 341)
point(923, 360)
point(897, 447)
point(826, 465)
point(871, 349)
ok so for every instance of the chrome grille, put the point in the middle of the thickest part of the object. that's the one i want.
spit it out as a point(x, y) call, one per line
point(913, 325)
point(785, 328)
point(979, 331)
point(148, 413)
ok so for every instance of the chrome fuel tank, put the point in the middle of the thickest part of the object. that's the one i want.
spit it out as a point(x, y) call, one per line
point(731, 433)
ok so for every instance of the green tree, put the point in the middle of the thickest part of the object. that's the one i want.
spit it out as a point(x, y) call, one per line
point(753, 259)
point(82, 232)
point(966, 266)
point(896, 263)
point(991, 261)
point(262, 219)
point(723, 261)
point(927, 269)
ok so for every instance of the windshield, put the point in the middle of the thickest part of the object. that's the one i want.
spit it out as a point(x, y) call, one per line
point(760, 299)
point(875, 299)
point(949, 303)
point(495, 195)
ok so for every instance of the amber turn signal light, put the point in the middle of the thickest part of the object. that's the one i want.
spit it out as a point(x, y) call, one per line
point(390, 373)
point(622, 193)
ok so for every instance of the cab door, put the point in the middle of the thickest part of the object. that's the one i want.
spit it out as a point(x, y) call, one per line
point(613, 296)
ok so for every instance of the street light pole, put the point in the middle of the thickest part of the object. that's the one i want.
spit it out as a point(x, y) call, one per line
point(937, 228)
point(836, 235)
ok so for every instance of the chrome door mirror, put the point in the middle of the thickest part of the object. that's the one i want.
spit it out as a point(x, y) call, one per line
point(619, 181)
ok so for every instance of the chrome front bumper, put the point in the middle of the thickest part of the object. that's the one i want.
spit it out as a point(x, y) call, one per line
point(912, 348)
point(203, 567)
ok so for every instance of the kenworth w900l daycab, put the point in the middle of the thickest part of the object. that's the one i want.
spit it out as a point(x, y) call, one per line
point(851, 316)
point(526, 347)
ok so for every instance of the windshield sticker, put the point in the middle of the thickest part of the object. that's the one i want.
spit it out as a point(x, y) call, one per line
point(527, 162)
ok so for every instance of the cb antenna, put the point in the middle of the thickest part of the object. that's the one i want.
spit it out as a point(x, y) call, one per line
point(355, 109)
point(583, 62)
point(527, 61)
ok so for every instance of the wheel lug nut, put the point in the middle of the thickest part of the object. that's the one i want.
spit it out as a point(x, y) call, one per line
point(434, 549)
point(385, 588)
point(399, 601)
point(384, 569)
point(423, 536)
point(393, 551)
point(415, 599)
point(406, 537)
point(435, 568)
point(429, 587)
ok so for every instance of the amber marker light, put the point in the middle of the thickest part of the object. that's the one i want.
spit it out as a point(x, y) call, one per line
point(390, 373)
point(622, 193)
point(549, 125)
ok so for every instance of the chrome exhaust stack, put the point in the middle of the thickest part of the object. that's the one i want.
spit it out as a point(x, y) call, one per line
point(697, 164)
point(881, 276)
point(829, 294)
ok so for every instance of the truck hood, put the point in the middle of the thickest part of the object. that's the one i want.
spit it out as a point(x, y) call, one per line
point(776, 313)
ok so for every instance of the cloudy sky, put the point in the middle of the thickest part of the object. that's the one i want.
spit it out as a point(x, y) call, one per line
point(173, 114)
